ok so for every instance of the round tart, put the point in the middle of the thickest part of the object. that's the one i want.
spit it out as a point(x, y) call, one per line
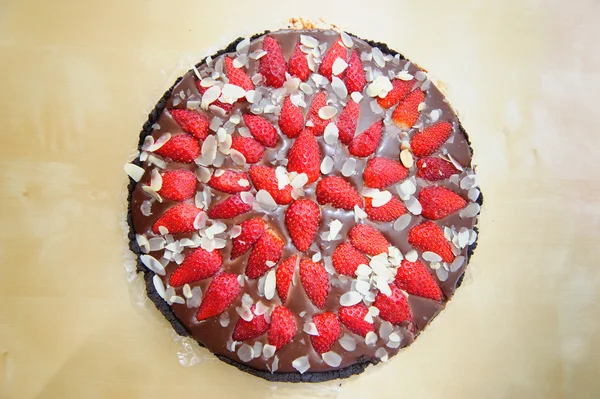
point(303, 204)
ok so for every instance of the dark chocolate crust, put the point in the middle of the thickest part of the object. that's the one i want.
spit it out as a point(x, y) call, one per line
point(166, 310)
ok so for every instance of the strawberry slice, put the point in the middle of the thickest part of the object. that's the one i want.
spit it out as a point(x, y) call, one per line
point(291, 119)
point(386, 213)
point(329, 329)
point(284, 276)
point(272, 65)
point(430, 139)
point(178, 219)
point(347, 122)
point(191, 122)
point(283, 327)
point(229, 208)
point(178, 184)
point(338, 192)
point(337, 50)
point(346, 259)
point(197, 265)
point(393, 308)
point(237, 76)
point(250, 329)
point(383, 172)
point(224, 106)
point(229, 181)
point(268, 248)
point(181, 148)
point(427, 236)
point(319, 124)
point(305, 157)
point(366, 142)
point(252, 229)
point(298, 64)
point(261, 129)
point(367, 239)
point(353, 318)
point(264, 178)
point(414, 278)
point(302, 219)
point(400, 89)
point(355, 79)
point(251, 149)
point(439, 202)
point(434, 169)
point(407, 112)
point(315, 281)
point(222, 291)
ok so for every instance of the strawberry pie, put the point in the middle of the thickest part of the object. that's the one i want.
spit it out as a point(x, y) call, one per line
point(303, 204)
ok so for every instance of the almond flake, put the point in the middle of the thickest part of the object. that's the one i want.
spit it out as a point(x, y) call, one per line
point(327, 165)
point(332, 359)
point(334, 228)
point(378, 57)
point(260, 309)
point(231, 93)
point(244, 312)
point(310, 328)
point(242, 46)
point(356, 97)
point(404, 75)
point(469, 181)
point(319, 80)
point(406, 189)
point(270, 285)
point(348, 342)
point(442, 274)
point(224, 319)
point(350, 298)
point(301, 364)
point(253, 96)
point(411, 255)
point(470, 211)
point(413, 205)
point(134, 171)
point(240, 61)
point(473, 194)
point(380, 87)
point(306, 88)
point(331, 134)
point(383, 198)
point(431, 256)
point(339, 66)
point(210, 96)
point(268, 351)
point(243, 183)
point(349, 167)
point(153, 264)
point(200, 220)
point(159, 163)
point(257, 54)
point(382, 354)
point(245, 353)
point(309, 41)
point(327, 112)
point(339, 87)
point(163, 230)
point(371, 338)
point(299, 181)
point(359, 213)
point(402, 222)
point(159, 286)
point(346, 40)
point(406, 158)
point(237, 157)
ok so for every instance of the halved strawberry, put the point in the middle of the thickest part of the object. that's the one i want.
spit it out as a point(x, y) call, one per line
point(434, 169)
point(237, 76)
point(368, 239)
point(229, 181)
point(178, 184)
point(386, 213)
point(315, 281)
point(337, 50)
point(329, 329)
point(348, 121)
point(229, 208)
point(383, 172)
point(197, 265)
point(268, 248)
point(178, 219)
point(353, 318)
point(302, 219)
point(319, 124)
point(338, 192)
point(355, 79)
point(414, 278)
point(428, 236)
point(261, 129)
point(346, 259)
point(393, 308)
point(366, 142)
point(250, 148)
point(400, 89)
point(221, 293)
point(282, 328)
point(264, 178)
point(430, 139)
point(252, 229)
point(180, 148)
point(224, 106)
point(305, 157)
point(439, 202)
point(407, 112)
point(191, 122)
point(244, 330)
point(298, 64)
point(291, 119)
point(272, 65)
point(284, 276)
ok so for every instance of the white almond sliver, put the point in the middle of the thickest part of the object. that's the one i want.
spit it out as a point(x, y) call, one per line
point(470, 211)
point(268, 351)
point(383, 198)
point(327, 112)
point(153, 264)
point(310, 328)
point(301, 364)
point(356, 97)
point(159, 286)
point(411, 255)
point(371, 338)
point(402, 222)
point(348, 342)
point(134, 171)
point(331, 134)
point(339, 66)
point(414, 206)
point(349, 167)
point(332, 359)
point(210, 96)
point(237, 157)
point(270, 285)
point(346, 40)
point(431, 256)
point(359, 213)
point(309, 41)
point(327, 165)
point(350, 298)
point(245, 353)
point(339, 87)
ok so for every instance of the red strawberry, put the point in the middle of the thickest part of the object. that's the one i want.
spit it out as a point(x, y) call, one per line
point(250, 329)
point(229, 208)
point(337, 50)
point(178, 184)
point(283, 327)
point(368, 239)
point(264, 178)
point(427, 236)
point(407, 112)
point(383, 172)
point(366, 143)
point(304, 156)
point(229, 181)
point(353, 318)
point(181, 148)
point(298, 64)
point(338, 192)
point(261, 129)
point(400, 89)
point(430, 139)
point(393, 308)
point(386, 213)
point(291, 119)
point(251, 149)
point(434, 169)
point(439, 202)
point(315, 281)
point(329, 329)
point(197, 265)
point(225, 106)
point(346, 259)
point(302, 219)
point(414, 278)
point(178, 219)
point(237, 76)
point(272, 65)
point(191, 122)
point(284, 276)
point(269, 247)
point(252, 229)
point(348, 121)
point(319, 124)
point(355, 74)
point(221, 293)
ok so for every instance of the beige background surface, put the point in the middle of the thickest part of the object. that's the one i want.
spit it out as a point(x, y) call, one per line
point(77, 79)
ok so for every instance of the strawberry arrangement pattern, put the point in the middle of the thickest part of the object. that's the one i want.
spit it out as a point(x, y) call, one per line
point(303, 204)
